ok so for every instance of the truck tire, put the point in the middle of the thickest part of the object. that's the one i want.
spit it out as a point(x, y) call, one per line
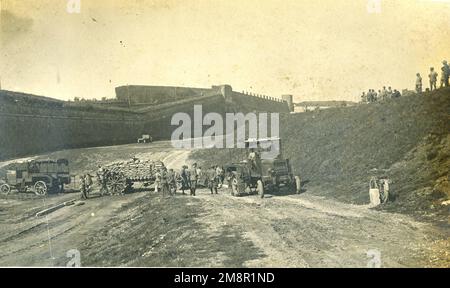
point(260, 188)
point(5, 189)
point(40, 188)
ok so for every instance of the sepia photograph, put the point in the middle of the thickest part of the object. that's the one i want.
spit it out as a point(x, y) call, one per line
point(225, 134)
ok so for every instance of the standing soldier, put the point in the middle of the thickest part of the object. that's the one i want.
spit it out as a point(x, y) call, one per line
point(385, 196)
point(446, 71)
point(172, 181)
point(193, 178)
point(384, 93)
point(157, 181)
point(184, 174)
point(375, 95)
point(418, 83)
point(433, 79)
point(88, 182)
point(83, 190)
point(389, 93)
point(164, 182)
point(212, 180)
point(442, 77)
point(101, 177)
point(219, 174)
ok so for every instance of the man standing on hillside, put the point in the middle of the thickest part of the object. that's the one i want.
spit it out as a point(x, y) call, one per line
point(446, 71)
point(442, 77)
point(384, 93)
point(389, 93)
point(363, 97)
point(418, 83)
point(433, 78)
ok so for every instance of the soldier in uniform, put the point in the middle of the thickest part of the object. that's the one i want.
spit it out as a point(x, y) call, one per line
point(433, 79)
point(389, 93)
point(418, 83)
point(442, 77)
point(446, 73)
point(101, 177)
point(384, 93)
point(83, 189)
point(88, 182)
point(213, 180)
point(184, 174)
point(164, 182)
point(193, 178)
point(172, 182)
point(219, 174)
point(157, 181)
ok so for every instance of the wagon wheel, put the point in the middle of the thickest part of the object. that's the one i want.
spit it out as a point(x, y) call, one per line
point(40, 188)
point(5, 189)
point(116, 183)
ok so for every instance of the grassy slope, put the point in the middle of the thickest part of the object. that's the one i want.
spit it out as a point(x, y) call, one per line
point(338, 149)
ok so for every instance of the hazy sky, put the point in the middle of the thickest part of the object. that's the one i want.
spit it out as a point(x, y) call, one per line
point(315, 49)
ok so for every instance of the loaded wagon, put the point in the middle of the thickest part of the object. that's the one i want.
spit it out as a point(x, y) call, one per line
point(120, 176)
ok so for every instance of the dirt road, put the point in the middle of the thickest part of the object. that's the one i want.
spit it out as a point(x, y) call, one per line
point(145, 229)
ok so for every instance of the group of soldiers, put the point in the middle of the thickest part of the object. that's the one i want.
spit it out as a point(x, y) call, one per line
point(191, 178)
point(382, 95)
point(433, 78)
point(85, 186)
point(166, 181)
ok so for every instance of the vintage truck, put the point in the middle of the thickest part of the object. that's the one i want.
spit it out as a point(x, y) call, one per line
point(39, 176)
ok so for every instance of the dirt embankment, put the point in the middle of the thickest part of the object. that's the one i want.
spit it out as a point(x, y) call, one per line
point(336, 151)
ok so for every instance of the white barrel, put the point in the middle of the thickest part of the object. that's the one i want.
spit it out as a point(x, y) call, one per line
point(374, 195)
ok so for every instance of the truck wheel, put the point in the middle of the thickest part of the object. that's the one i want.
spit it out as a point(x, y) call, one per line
point(260, 188)
point(40, 188)
point(5, 189)
point(297, 184)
